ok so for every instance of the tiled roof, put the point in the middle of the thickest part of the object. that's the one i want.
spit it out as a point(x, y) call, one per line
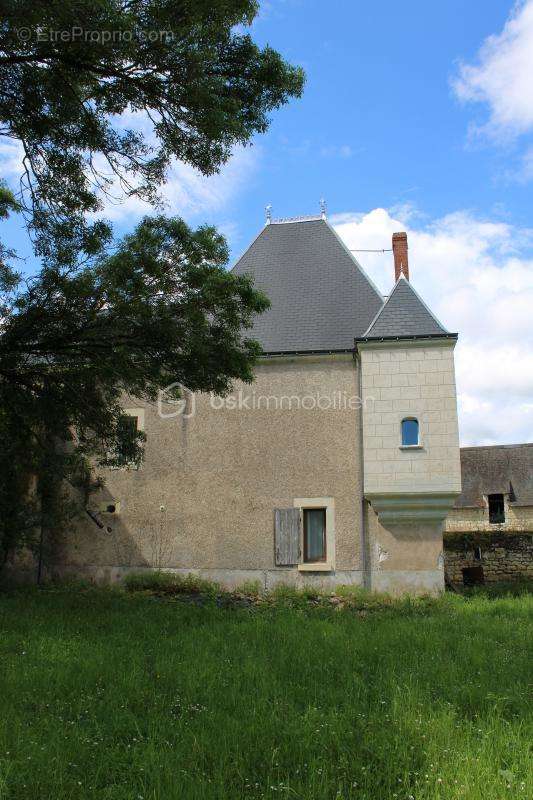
point(404, 314)
point(500, 469)
point(320, 297)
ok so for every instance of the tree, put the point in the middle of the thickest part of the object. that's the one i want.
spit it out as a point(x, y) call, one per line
point(161, 309)
point(72, 75)
point(103, 317)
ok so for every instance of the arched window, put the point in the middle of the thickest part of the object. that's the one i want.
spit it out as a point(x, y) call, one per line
point(410, 432)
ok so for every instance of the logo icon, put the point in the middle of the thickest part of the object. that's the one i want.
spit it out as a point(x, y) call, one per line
point(176, 400)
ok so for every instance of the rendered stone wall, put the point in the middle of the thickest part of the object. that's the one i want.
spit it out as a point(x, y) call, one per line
point(204, 498)
point(403, 557)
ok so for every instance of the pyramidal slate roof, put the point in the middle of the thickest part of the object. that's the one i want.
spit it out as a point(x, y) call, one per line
point(404, 314)
point(320, 297)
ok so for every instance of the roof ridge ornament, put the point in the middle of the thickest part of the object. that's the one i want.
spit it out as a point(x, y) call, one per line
point(322, 208)
point(284, 220)
point(268, 212)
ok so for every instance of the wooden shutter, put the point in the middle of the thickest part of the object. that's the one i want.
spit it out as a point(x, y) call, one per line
point(286, 536)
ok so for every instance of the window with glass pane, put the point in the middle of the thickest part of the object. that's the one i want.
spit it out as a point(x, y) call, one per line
point(409, 432)
point(314, 534)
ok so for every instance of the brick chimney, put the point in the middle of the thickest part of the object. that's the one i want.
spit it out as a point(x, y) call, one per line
point(399, 249)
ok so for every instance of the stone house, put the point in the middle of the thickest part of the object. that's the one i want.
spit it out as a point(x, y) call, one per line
point(338, 465)
point(489, 532)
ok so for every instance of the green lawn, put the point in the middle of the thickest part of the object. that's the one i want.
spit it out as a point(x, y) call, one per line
point(109, 695)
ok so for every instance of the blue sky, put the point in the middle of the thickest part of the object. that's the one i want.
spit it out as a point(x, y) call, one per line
point(379, 124)
point(415, 116)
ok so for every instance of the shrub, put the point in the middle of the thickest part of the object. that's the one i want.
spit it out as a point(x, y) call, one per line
point(285, 594)
point(250, 588)
point(500, 589)
point(169, 583)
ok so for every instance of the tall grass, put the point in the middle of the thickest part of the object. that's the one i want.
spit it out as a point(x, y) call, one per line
point(122, 697)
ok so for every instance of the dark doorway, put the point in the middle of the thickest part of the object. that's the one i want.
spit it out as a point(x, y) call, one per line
point(473, 576)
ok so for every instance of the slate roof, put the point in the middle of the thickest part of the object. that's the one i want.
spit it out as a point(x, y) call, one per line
point(404, 314)
point(320, 297)
point(500, 469)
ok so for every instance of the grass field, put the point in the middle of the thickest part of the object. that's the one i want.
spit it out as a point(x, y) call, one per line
point(122, 697)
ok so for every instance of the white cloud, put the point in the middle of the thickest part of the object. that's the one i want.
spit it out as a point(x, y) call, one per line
point(189, 193)
point(11, 155)
point(502, 76)
point(185, 192)
point(477, 277)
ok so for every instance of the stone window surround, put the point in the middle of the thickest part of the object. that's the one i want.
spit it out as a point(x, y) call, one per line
point(136, 412)
point(329, 504)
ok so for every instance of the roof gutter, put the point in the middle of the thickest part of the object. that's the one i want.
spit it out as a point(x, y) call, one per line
point(277, 353)
point(357, 340)
point(453, 336)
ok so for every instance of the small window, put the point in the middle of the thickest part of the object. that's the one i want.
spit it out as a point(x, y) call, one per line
point(127, 428)
point(496, 508)
point(410, 432)
point(477, 553)
point(314, 534)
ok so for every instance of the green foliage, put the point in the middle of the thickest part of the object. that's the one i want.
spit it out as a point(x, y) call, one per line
point(346, 597)
point(18, 513)
point(104, 95)
point(250, 589)
point(116, 696)
point(7, 201)
point(286, 594)
point(44, 480)
point(101, 107)
point(500, 589)
point(169, 583)
point(9, 279)
point(160, 310)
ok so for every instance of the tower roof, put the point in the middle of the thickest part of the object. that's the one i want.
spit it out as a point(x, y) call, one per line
point(321, 299)
point(404, 315)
